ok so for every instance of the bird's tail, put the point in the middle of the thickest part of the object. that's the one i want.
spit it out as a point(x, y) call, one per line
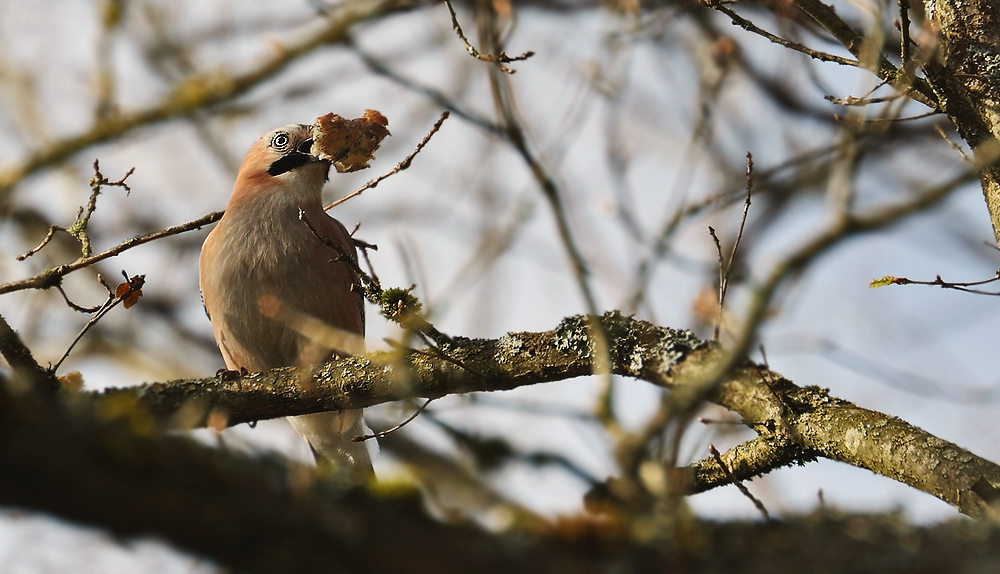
point(337, 456)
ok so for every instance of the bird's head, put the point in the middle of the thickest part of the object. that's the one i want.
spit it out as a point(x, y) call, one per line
point(281, 162)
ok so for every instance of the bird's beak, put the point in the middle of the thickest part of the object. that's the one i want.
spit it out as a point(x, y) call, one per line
point(306, 148)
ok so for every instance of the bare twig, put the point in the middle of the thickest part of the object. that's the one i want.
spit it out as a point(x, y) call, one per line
point(514, 133)
point(45, 241)
point(399, 166)
point(133, 287)
point(364, 246)
point(503, 99)
point(373, 290)
point(726, 273)
point(52, 277)
point(957, 148)
point(74, 306)
point(721, 198)
point(750, 27)
point(865, 99)
point(824, 15)
point(708, 421)
point(769, 382)
point(856, 101)
point(738, 483)
point(939, 282)
point(499, 60)
point(80, 229)
point(722, 280)
point(381, 434)
point(397, 305)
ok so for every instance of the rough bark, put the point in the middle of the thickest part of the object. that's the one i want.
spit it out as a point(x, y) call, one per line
point(795, 424)
point(966, 77)
point(98, 459)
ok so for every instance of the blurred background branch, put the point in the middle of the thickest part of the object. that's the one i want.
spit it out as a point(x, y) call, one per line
point(584, 182)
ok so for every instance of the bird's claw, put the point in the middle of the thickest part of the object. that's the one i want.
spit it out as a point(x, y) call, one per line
point(228, 375)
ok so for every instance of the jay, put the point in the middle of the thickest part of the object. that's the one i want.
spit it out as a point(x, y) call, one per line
point(262, 257)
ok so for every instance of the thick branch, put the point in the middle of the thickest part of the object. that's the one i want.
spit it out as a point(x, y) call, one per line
point(27, 370)
point(796, 424)
point(253, 514)
point(258, 514)
point(967, 78)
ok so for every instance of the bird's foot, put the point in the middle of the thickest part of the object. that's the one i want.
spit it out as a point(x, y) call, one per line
point(227, 375)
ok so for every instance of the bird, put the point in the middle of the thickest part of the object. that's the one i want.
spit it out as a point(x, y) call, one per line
point(267, 280)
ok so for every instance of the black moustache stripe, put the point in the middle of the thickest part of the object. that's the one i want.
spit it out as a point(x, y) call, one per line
point(288, 162)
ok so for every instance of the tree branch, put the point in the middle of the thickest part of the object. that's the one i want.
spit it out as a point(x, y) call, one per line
point(261, 514)
point(796, 424)
point(20, 359)
point(964, 74)
point(53, 277)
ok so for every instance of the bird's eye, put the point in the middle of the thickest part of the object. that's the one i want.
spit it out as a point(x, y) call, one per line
point(279, 141)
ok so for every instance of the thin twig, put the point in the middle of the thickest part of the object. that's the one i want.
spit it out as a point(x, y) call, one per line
point(721, 199)
point(80, 227)
point(399, 166)
point(954, 146)
point(743, 222)
point(372, 288)
point(751, 27)
point(903, 119)
point(855, 101)
point(739, 484)
point(708, 421)
point(724, 276)
point(405, 312)
point(364, 246)
point(52, 277)
point(433, 345)
point(915, 87)
point(499, 60)
point(769, 382)
point(722, 279)
point(74, 306)
point(865, 99)
point(939, 282)
point(381, 434)
point(43, 243)
point(504, 101)
point(550, 190)
point(134, 283)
